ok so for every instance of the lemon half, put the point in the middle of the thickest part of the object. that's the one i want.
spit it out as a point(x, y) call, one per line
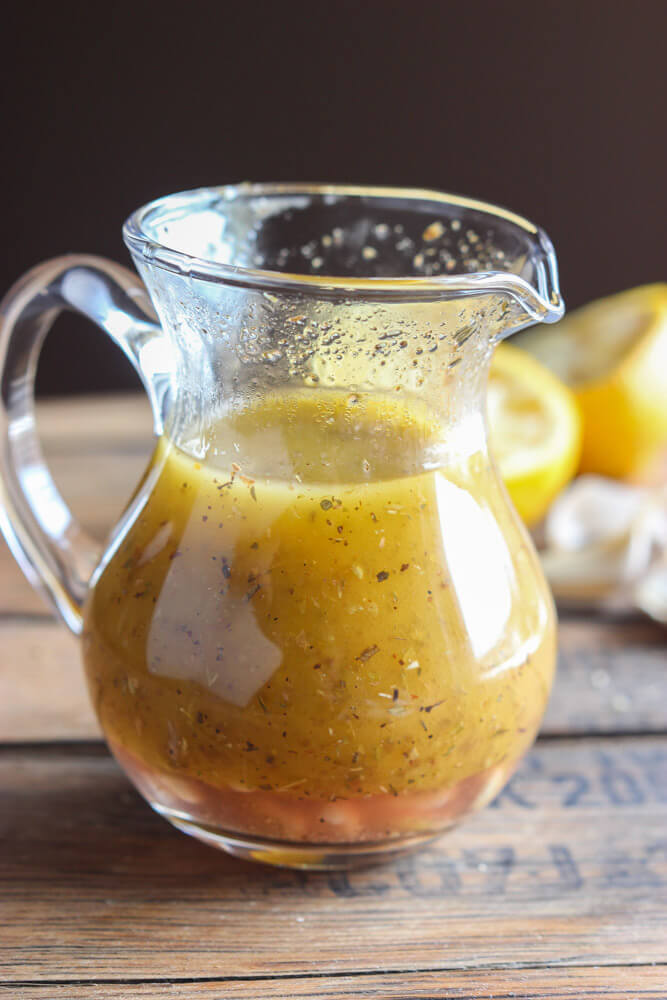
point(613, 353)
point(535, 430)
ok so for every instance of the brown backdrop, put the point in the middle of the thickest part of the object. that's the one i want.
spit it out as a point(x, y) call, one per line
point(555, 109)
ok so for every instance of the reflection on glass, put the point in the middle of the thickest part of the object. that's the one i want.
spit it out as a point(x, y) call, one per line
point(331, 616)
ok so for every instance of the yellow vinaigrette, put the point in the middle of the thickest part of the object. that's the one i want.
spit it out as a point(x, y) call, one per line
point(326, 629)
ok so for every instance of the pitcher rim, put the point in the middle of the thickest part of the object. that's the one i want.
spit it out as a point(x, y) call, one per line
point(542, 301)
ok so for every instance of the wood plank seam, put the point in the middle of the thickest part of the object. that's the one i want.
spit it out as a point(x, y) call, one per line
point(355, 973)
point(79, 748)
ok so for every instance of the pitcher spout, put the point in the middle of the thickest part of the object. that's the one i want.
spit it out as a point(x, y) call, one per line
point(263, 287)
point(361, 243)
point(530, 283)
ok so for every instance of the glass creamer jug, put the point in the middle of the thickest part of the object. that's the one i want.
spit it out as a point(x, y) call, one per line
point(319, 634)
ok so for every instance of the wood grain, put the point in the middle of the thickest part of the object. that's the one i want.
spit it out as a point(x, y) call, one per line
point(93, 423)
point(616, 983)
point(559, 889)
point(569, 867)
point(612, 678)
point(43, 694)
point(96, 449)
point(96, 488)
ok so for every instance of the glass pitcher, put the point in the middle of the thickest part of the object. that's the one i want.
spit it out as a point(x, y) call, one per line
point(318, 635)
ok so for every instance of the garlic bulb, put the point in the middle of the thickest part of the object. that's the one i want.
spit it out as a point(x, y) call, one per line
point(651, 593)
point(606, 545)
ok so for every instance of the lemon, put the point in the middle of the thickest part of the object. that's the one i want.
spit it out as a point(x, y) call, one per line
point(613, 353)
point(535, 430)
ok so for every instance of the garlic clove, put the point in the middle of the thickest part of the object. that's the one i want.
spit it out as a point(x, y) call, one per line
point(590, 575)
point(593, 511)
point(650, 594)
point(648, 534)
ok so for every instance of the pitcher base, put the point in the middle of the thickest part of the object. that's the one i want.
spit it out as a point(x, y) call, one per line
point(307, 857)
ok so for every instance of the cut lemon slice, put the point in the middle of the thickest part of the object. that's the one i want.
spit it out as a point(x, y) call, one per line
point(613, 353)
point(535, 430)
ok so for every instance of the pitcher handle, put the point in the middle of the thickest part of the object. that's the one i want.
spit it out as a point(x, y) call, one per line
point(55, 553)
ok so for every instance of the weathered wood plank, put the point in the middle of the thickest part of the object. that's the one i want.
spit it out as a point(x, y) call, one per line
point(94, 423)
point(96, 448)
point(43, 693)
point(17, 597)
point(569, 867)
point(96, 486)
point(616, 983)
point(612, 678)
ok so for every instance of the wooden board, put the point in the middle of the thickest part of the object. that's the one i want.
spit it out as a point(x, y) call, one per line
point(81, 424)
point(559, 889)
point(569, 867)
point(43, 694)
point(96, 449)
point(612, 678)
point(616, 983)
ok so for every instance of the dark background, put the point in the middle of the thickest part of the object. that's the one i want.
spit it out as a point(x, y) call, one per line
point(556, 110)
